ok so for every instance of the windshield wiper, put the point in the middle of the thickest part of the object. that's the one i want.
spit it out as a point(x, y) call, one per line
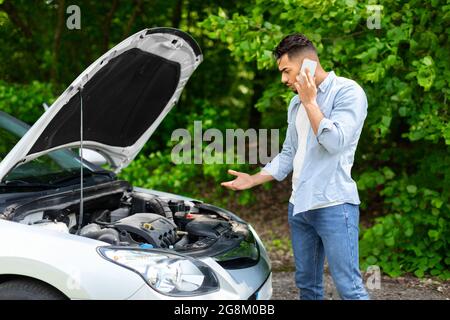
point(25, 184)
point(77, 177)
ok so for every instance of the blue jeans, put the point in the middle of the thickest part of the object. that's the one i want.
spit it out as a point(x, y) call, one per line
point(330, 232)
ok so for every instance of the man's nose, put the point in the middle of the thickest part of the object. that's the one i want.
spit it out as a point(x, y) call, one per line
point(284, 79)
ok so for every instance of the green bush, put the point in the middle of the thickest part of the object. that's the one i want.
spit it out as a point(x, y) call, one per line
point(24, 101)
point(414, 236)
point(402, 165)
point(156, 169)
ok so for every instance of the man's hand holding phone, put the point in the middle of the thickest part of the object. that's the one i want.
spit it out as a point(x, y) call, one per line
point(305, 85)
point(307, 92)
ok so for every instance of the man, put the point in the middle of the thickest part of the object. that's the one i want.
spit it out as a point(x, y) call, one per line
point(325, 120)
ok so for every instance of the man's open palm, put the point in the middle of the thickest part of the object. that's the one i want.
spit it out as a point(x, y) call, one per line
point(242, 182)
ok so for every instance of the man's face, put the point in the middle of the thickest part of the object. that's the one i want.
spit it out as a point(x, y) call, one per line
point(289, 69)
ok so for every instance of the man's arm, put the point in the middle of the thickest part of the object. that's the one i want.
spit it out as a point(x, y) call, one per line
point(278, 168)
point(346, 119)
point(283, 163)
point(246, 181)
point(307, 91)
point(345, 122)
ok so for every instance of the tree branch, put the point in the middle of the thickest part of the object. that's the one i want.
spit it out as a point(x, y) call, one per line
point(176, 18)
point(57, 39)
point(107, 24)
point(130, 23)
point(14, 15)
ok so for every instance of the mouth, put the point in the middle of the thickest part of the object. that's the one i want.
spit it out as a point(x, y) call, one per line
point(292, 87)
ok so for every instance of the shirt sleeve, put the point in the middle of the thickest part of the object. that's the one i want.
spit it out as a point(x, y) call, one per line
point(346, 120)
point(282, 164)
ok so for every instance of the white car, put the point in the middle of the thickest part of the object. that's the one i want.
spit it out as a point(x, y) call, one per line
point(63, 237)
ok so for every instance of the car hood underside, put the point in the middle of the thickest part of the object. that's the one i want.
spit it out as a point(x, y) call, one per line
point(123, 96)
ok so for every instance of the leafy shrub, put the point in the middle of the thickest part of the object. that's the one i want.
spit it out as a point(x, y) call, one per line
point(413, 236)
point(402, 165)
point(24, 101)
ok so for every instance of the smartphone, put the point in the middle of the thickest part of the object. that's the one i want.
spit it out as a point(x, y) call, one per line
point(310, 64)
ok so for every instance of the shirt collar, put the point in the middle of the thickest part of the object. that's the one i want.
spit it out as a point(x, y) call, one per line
point(326, 82)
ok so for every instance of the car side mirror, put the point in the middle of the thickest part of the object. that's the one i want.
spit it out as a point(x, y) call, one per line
point(93, 157)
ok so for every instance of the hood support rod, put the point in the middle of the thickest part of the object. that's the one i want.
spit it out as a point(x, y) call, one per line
point(80, 218)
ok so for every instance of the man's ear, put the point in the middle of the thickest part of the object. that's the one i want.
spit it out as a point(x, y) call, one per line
point(300, 62)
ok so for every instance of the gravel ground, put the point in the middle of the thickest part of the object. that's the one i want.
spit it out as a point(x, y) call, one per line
point(402, 288)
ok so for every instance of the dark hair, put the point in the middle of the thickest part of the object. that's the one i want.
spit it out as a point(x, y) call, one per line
point(293, 44)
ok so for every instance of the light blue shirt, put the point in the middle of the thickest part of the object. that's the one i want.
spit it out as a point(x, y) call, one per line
point(326, 173)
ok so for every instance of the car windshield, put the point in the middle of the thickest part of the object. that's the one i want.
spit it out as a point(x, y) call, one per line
point(53, 168)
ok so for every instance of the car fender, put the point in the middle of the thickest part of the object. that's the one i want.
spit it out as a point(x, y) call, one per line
point(67, 262)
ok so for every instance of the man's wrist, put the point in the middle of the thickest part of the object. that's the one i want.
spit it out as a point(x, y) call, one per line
point(311, 104)
point(253, 180)
point(261, 177)
point(315, 115)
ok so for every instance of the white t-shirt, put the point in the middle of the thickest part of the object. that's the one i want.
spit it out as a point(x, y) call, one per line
point(303, 126)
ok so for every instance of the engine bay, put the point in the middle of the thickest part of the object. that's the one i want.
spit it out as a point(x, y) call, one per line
point(143, 220)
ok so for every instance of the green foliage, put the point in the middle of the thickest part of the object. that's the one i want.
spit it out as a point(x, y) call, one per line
point(404, 69)
point(403, 162)
point(157, 170)
point(413, 236)
point(24, 101)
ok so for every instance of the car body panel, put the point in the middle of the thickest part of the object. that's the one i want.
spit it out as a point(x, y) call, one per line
point(72, 265)
point(67, 262)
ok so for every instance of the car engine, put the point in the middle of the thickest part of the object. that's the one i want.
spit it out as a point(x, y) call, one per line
point(146, 221)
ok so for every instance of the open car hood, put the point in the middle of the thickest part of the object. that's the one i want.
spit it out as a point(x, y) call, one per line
point(126, 93)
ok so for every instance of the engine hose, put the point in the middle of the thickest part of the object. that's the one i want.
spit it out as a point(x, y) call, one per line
point(183, 241)
point(161, 208)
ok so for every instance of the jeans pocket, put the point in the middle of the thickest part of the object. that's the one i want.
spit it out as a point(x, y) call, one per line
point(345, 211)
point(351, 214)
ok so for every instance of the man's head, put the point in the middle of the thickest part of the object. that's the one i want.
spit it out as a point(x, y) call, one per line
point(290, 53)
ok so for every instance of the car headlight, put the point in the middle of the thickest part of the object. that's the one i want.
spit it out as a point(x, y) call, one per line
point(167, 273)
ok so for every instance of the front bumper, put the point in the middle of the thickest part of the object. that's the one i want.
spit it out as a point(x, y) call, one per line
point(253, 283)
point(264, 292)
point(229, 290)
